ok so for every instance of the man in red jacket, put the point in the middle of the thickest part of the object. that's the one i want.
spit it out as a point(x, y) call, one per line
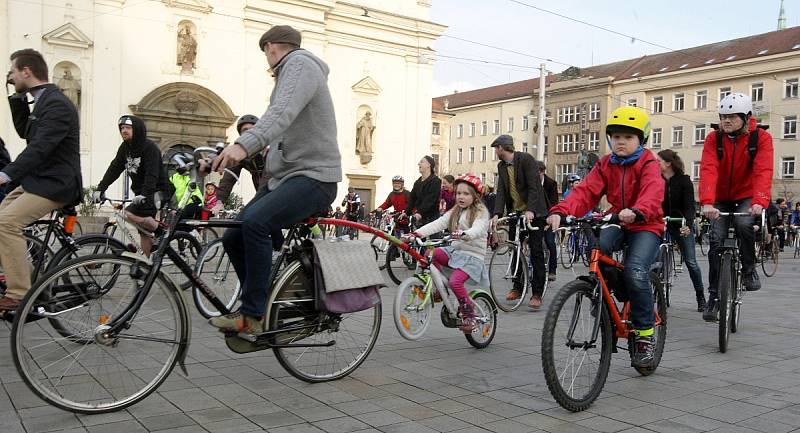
point(630, 178)
point(735, 176)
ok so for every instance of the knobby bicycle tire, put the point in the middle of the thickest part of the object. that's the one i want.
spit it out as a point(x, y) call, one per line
point(725, 291)
point(554, 372)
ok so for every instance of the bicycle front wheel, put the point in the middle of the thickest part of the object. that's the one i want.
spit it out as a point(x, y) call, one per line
point(508, 276)
point(770, 264)
point(188, 248)
point(412, 313)
point(725, 289)
point(575, 367)
point(96, 371)
point(215, 269)
point(329, 346)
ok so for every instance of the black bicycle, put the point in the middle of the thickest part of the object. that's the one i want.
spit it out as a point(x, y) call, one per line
point(131, 325)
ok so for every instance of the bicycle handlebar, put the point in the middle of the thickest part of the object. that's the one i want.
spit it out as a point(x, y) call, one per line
point(513, 216)
point(681, 220)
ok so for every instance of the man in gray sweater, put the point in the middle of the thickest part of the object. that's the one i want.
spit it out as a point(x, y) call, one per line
point(298, 134)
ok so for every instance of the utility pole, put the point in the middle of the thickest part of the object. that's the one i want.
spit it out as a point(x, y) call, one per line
point(542, 112)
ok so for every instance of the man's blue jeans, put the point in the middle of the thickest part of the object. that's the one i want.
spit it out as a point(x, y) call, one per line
point(250, 247)
point(686, 244)
point(642, 251)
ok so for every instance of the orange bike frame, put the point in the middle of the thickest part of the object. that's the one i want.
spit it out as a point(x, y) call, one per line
point(620, 318)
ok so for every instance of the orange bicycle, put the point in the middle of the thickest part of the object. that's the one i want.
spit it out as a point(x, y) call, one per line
point(585, 321)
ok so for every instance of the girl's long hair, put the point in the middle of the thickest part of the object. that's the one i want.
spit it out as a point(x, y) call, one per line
point(475, 209)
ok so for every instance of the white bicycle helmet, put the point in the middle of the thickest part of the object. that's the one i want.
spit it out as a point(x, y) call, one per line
point(736, 103)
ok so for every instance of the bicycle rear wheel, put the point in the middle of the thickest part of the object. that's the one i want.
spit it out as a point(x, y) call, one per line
point(292, 305)
point(770, 264)
point(574, 369)
point(215, 269)
point(99, 372)
point(508, 272)
point(725, 289)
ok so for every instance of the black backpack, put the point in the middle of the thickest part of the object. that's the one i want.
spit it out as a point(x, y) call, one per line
point(752, 142)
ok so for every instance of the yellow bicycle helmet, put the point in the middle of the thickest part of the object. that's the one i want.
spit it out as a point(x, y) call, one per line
point(630, 119)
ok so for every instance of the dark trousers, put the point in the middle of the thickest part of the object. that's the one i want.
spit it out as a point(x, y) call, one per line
point(642, 251)
point(780, 233)
point(718, 232)
point(250, 247)
point(536, 253)
point(550, 241)
point(686, 244)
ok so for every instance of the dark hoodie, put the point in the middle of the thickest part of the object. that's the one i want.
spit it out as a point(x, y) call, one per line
point(141, 158)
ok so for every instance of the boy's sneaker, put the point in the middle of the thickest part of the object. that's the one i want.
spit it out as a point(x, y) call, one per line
point(711, 310)
point(467, 314)
point(643, 353)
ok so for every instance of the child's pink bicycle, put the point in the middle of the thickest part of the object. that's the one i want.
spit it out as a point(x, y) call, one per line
point(414, 302)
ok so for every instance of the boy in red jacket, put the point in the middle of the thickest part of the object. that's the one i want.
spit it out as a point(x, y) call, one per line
point(734, 177)
point(630, 178)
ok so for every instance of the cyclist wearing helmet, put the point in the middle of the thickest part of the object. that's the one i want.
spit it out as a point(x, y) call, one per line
point(397, 199)
point(572, 181)
point(631, 180)
point(735, 176)
point(254, 165)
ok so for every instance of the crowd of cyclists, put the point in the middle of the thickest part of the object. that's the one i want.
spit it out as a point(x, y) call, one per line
point(291, 151)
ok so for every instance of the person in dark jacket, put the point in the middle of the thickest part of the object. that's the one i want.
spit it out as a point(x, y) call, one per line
point(550, 187)
point(424, 198)
point(47, 172)
point(519, 189)
point(141, 158)
point(679, 203)
point(254, 165)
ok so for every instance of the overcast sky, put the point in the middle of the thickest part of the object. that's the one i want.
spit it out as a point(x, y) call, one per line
point(509, 24)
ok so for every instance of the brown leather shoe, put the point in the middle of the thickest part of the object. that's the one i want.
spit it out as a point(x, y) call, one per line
point(513, 295)
point(536, 302)
point(8, 304)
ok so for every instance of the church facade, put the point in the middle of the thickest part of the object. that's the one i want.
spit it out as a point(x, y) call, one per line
point(190, 68)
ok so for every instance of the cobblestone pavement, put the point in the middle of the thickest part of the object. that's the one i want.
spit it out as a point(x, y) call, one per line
point(442, 384)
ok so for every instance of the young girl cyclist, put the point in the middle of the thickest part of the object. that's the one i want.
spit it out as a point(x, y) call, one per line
point(468, 221)
point(630, 178)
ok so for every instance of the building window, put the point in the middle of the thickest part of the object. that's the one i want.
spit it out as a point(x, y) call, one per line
point(483, 153)
point(594, 141)
point(790, 90)
point(460, 131)
point(699, 134)
point(790, 127)
point(494, 184)
point(484, 127)
point(787, 167)
point(525, 147)
point(459, 156)
point(757, 92)
point(633, 102)
point(562, 170)
point(701, 100)
point(567, 115)
point(695, 170)
point(546, 141)
point(658, 104)
point(524, 123)
point(483, 178)
point(723, 92)
point(677, 102)
point(494, 155)
point(436, 128)
point(656, 138)
point(472, 129)
point(510, 124)
point(435, 157)
point(594, 111)
point(566, 143)
point(677, 136)
point(471, 154)
point(496, 126)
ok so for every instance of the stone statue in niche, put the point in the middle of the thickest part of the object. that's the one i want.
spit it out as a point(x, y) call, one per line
point(187, 49)
point(364, 129)
point(70, 87)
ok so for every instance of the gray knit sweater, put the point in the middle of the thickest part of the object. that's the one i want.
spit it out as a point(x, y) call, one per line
point(299, 125)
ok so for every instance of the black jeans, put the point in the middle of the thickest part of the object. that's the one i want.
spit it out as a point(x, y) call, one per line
point(536, 253)
point(744, 232)
point(250, 247)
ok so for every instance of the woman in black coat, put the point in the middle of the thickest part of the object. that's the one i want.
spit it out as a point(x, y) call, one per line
point(679, 203)
point(424, 198)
